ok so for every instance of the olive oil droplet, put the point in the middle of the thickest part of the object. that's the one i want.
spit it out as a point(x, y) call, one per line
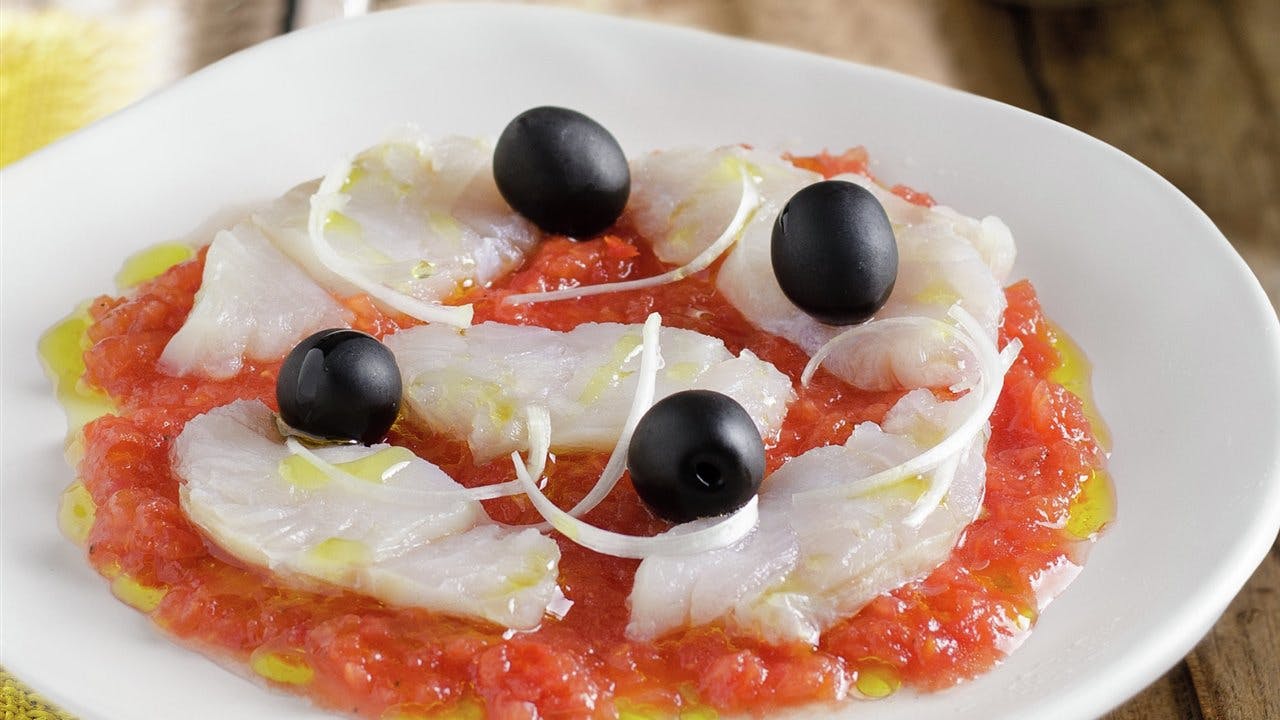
point(1075, 373)
point(76, 513)
point(877, 680)
point(1093, 507)
point(61, 351)
point(286, 667)
point(133, 593)
point(151, 263)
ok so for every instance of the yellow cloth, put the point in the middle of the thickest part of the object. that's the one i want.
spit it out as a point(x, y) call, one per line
point(60, 72)
point(18, 703)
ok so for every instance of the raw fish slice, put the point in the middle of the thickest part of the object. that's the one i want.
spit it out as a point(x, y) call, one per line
point(945, 258)
point(422, 218)
point(253, 303)
point(390, 528)
point(854, 550)
point(671, 592)
point(497, 573)
point(683, 199)
point(938, 267)
point(808, 565)
point(474, 384)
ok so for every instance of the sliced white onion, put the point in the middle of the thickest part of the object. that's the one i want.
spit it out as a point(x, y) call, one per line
point(538, 425)
point(875, 327)
point(1009, 354)
point(673, 543)
point(946, 472)
point(746, 209)
point(640, 402)
point(991, 366)
point(939, 484)
point(330, 198)
point(360, 485)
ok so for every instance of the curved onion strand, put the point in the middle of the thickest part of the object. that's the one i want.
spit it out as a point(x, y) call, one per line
point(939, 484)
point(674, 542)
point(875, 327)
point(746, 210)
point(328, 198)
point(992, 365)
point(640, 402)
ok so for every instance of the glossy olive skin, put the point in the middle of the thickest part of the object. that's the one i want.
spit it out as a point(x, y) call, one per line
point(563, 171)
point(340, 385)
point(696, 454)
point(833, 252)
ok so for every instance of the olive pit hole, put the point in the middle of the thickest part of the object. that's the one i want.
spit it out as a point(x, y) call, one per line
point(708, 474)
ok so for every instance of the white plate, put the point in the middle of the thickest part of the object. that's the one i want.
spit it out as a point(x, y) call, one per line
point(1186, 346)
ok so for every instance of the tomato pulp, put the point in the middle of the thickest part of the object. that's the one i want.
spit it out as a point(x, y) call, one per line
point(1047, 496)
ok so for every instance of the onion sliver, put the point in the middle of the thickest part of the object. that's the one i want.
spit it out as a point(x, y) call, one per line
point(677, 541)
point(329, 198)
point(360, 485)
point(875, 327)
point(640, 402)
point(939, 484)
point(992, 366)
point(746, 210)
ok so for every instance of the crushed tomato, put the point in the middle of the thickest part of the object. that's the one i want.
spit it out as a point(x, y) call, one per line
point(361, 656)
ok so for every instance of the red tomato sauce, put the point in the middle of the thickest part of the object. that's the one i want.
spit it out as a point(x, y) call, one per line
point(363, 657)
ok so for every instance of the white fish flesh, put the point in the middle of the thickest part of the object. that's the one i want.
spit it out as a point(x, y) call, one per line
point(683, 199)
point(474, 384)
point(806, 565)
point(253, 303)
point(391, 528)
point(422, 218)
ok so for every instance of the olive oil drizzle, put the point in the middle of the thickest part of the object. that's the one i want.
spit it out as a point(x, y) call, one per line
point(1094, 505)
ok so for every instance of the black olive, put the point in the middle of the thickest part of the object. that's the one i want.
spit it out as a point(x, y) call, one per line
point(696, 454)
point(833, 252)
point(562, 170)
point(340, 385)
